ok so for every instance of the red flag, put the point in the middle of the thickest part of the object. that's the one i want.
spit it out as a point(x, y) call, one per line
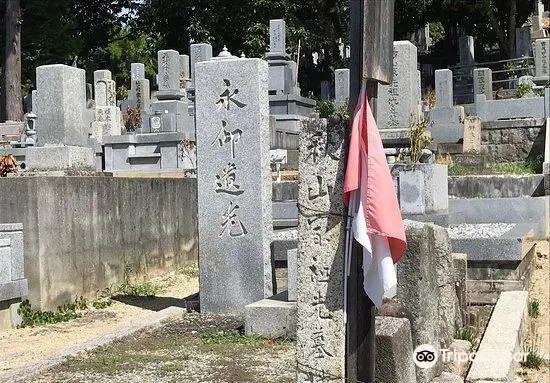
point(370, 195)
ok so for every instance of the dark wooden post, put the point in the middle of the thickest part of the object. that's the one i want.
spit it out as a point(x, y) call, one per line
point(371, 44)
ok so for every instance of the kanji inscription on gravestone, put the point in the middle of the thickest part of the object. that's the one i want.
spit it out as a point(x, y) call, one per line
point(234, 185)
point(320, 327)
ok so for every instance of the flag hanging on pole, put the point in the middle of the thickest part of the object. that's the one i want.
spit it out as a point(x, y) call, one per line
point(370, 196)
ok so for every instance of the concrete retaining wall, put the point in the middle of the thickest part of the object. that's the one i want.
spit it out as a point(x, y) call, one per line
point(83, 233)
point(496, 186)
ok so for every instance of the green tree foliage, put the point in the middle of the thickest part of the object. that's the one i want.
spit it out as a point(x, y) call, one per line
point(243, 26)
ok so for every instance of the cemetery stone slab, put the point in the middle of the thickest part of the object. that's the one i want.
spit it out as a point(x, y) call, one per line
point(466, 50)
point(321, 330)
point(524, 47)
point(234, 184)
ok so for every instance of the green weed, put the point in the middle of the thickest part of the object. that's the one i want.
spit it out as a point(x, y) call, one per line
point(533, 359)
point(64, 313)
point(534, 309)
point(466, 333)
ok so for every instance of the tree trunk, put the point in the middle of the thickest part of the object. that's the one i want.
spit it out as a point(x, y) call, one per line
point(502, 39)
point(512, 28)
point(12, 68)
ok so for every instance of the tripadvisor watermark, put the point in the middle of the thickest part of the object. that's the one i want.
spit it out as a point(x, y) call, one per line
point(426, 356)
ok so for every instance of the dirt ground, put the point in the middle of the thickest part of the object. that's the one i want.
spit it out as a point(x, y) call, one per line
point(538, 330)
point(19, 347)
point(195, 348)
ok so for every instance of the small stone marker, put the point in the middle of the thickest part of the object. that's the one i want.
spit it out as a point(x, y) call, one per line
point(325, 90)
point(321, 340)
point(199, 53)
point(472, 135)
point(542, 58)
point(234, 184)
point(341, 87)
point(483, 82)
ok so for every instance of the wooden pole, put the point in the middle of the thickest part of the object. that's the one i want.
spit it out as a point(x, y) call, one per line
point(371, 45)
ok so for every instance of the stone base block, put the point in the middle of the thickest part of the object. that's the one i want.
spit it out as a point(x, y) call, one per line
point(395, 137)
point(9, 318)
point(14, 290)
point(477, 161)
point(59, 158)
point(291, 104)
point(394, 349)
point(271, 318)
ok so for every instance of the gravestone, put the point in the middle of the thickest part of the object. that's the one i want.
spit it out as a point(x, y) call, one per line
point(185, 74)
point(341, 87)
point(443, 88)
point(137, 71)
point(524, 48)
point(104, 89)
point(542, 58)
point(141, 94)
point(446, 120)
point(472, 135)
point(321, 340)
point(277, 37)
point(199, 53)
point(400, 102)
point(483, 82)
point(325, 90)
point(234, 183)
point(169, 72)
point(61, 103)
point(467, 51)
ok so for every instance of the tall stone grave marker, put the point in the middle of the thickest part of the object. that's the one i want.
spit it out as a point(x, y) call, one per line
point(199, 53)
point(483, 82)
point(321, 339)
point(446, 120)
point(234, 183)
point(277, 37)
point(341, 87)
point(472, 135)
point(61, 101)
point(467, 51)
point(524, 48)
point(104, 88)
point(542, 58)
point(400, 102)
point(140, 89)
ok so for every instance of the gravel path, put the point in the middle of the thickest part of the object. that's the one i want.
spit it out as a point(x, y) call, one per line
point(483, 230)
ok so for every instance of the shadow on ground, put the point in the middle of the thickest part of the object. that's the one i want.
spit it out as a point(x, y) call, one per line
point(154, 303)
